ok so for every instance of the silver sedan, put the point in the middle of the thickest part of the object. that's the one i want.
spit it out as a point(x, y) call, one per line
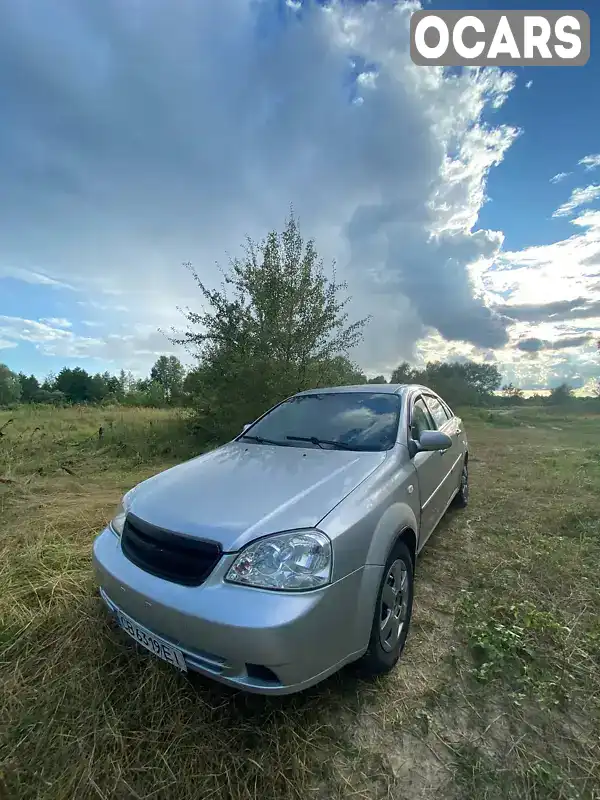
point(272, 561)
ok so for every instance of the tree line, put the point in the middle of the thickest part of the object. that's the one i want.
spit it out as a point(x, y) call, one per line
point(167, 384)
point(278, 324)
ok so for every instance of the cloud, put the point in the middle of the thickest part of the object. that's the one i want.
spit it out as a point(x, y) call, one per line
point(534, 345)
point(548, 293)
point(562, 273)
point(590, 162)
point(582, 196)
point(529, 84)
point(32, 277)
point(132, 142)
point(27, 330)
point(102, 306)
point(531, 345)
point(5, 344)
point(560, 176)
point(58, 322)
point(579, 308)
point(142, 344)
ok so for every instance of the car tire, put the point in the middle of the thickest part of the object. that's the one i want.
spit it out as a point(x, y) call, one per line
point(391, 619)
point(461, 498)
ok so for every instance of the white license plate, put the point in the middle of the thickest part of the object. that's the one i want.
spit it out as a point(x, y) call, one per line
point(152, 642)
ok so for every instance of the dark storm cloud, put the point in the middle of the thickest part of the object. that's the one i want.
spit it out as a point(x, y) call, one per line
point(534, 345)
point(580, 308)
point(530, 345)
point(138, 135)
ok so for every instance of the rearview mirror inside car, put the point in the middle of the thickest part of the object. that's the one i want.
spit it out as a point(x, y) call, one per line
point(246, 426)
point(434, 440)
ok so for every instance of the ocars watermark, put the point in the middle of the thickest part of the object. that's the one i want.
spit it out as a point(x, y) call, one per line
point(500, 38)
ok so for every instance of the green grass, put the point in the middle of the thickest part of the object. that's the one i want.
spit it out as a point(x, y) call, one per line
point(497, 695)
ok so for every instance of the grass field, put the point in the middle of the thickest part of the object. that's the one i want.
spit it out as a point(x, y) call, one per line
point(497, 695)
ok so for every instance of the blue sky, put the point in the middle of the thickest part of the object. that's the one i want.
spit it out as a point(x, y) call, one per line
point(137, 137)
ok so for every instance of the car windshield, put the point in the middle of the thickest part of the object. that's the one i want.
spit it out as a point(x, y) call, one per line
point(346, 420)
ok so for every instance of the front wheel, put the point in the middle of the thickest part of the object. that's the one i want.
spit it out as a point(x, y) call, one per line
point(393, 611)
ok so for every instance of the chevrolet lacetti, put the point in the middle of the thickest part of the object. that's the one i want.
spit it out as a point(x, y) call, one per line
point(272, 561)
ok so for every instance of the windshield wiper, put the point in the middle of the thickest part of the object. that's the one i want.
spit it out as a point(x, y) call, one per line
point(320, 442)
point(260, 439)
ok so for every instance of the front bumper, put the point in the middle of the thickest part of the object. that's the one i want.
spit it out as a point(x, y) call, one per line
point(257, 640)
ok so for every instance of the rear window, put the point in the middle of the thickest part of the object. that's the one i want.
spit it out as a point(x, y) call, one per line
point(355, 420)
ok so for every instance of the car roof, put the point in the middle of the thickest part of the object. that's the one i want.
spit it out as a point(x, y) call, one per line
point(374, 388)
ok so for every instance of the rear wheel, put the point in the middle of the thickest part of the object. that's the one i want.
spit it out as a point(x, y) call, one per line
point(392, 613)
point(461, 498)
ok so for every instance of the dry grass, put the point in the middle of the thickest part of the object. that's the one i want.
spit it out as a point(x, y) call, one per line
point(497, 695)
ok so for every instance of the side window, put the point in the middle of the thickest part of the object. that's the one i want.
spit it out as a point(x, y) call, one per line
point(437, 411)
point(448, 410)
point(420, 420)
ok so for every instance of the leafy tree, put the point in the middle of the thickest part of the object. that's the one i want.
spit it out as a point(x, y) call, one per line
point(377, 379)
point(168, 371)
point(10, 386)
point(512, 394)
point(340, 371)
point(49, 382)
point(276, 326)
point(29, 387)
point(560, 395)
point(460, 383)
point(192, 386)
point(146, 393)
point(49, 396)
point(76, 385)
point(404, 373)
point(485, 378)
point(126, 383)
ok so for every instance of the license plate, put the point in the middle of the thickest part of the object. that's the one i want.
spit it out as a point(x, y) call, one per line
point(152, 642)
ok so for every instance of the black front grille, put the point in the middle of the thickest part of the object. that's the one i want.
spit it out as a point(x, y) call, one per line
point(168, 555)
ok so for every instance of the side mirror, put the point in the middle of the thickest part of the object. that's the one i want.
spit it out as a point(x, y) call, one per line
point(434, 440)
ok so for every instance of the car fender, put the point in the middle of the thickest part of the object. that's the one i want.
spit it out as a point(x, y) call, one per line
point(396, 518)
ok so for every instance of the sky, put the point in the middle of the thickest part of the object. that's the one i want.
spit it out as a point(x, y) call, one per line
point(462, 208)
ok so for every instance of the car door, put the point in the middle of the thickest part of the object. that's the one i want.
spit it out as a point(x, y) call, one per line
point(459, 442)
point(452, 457)
point(430, 468)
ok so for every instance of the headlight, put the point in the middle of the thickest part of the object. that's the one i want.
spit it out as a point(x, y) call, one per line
point(285, 561)
point(118, 521)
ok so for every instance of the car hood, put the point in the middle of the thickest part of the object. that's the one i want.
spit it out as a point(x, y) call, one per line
point(242, 491)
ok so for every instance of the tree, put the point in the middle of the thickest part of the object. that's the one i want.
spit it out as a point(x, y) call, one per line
point(146, 393)
point(168, 371)
point(561, 395)
point(49, 396)
point(76, 385)
point(126, 383)
point(485, 378)
point(10, 386)
point(341, 371)
point(512, 393)
point(404, 373)
point(29, 387)
point(459, 382)
point(377, 379)
point(49, 382)
point(276, 326)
